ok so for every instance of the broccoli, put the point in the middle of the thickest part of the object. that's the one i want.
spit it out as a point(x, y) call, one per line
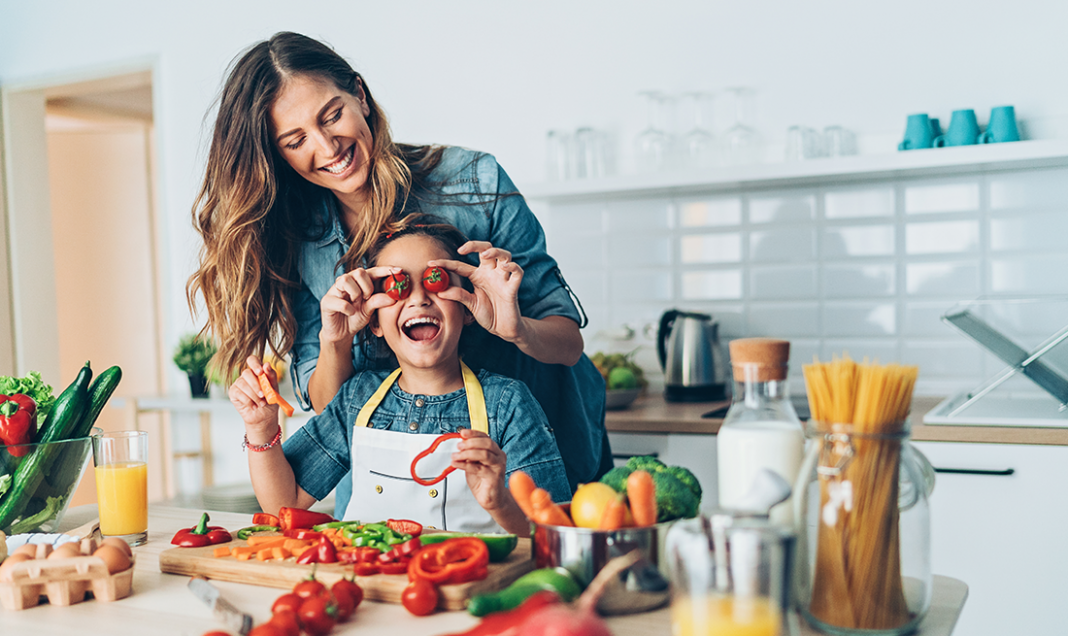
point(617, 478)
point(685, 476)
point(674, 499)
point(646, 462)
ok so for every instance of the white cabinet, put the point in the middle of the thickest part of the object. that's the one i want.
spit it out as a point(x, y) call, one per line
point(1005, 535)
point(695, 452)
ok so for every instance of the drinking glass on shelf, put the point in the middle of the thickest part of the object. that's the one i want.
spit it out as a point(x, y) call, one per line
point(120, 461)
point(588, 160)
point(742, 143)
point(654, 143)
point(839, 141)
point(698, 145)
point(558, 155)
point(802, 142)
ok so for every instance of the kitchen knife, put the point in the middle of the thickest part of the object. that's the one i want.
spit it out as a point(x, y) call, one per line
point(234, 618)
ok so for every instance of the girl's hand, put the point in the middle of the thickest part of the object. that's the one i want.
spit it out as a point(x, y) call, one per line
point(495, 301)
point(252, 406)
point(350, 303)
point(484, 462)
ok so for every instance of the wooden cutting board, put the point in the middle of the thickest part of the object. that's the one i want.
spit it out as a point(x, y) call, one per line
point(386, 588)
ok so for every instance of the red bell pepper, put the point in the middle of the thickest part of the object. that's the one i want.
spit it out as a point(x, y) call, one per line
point(366, 569)
point(18, 423)
point(264, 519)
point(293, 518)
point(511, 622)
point(433, 447)
point(201, 535)
point(454, 561)
point(304, 534)
point(398, 567)
point(324, 552)
point(405, 526)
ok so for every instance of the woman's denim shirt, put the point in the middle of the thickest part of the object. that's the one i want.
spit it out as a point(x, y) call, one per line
point(472, 192)
point(321, 450)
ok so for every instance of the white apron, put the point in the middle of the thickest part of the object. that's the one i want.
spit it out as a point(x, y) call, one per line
point(382, 484)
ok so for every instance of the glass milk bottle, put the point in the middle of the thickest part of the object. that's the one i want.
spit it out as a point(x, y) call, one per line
point(761, 429)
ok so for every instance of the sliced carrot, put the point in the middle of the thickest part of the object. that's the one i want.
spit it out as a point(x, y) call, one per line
point(521, 486)
point(221, 551)
point(243, 556)
point(267, 542)
point(614, 516)
point(545, 511)
point(264, 554)
point(280, 553)
point(272, 395)
point(296, 546)
point(242, 551)
point(642, 494)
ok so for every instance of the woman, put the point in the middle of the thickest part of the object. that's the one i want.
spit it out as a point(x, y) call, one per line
point(302, 178)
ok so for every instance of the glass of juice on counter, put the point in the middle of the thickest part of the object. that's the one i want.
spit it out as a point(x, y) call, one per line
point(121, 469)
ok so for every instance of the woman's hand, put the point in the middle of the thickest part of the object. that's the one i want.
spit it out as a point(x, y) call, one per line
point(495, 301)
point(252, 406)
point(350, 303)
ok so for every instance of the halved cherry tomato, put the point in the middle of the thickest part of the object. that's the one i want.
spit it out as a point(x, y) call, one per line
point(287, 602)
point(397, 286)
point(435, 279)
point(318, 615)
point(405, 526)
point(420, 597)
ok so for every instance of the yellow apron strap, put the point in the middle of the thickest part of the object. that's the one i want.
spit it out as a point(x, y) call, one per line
point(368, 409)
point(476, 401)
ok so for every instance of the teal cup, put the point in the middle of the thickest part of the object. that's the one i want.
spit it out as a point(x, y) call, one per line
point(963, 130)
point(917, 133)
point(936, 128)
point(1002, 126)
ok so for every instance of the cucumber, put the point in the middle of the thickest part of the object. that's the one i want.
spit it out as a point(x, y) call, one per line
point(99, 393)
point(557, 580)
point(61, 420)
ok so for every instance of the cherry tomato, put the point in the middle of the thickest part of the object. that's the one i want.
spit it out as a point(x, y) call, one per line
point(318, 615)
point(348, 586)
point(216, 633)
point(435, 279)
point(309, 588)
point(266, 629)
point(286, 622)
point(397, 286)
point(287, 602)
point(420, 597)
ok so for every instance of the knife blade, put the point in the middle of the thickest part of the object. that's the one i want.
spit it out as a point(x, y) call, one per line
point(225, 611)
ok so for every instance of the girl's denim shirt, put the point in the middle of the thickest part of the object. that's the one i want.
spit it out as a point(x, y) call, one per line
point(472, 192)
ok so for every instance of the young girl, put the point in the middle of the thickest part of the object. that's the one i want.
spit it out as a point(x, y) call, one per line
point(380, 420)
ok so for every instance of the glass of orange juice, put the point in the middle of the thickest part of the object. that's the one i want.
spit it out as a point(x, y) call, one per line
point(121, 469)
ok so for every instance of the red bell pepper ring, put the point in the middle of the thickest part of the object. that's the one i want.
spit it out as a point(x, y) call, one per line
point(400, 567)
point(265, 519)
point(433, 447)
point(18, 423)
point(201, 535)
point(293, 518)
point(405, 526)
point(454, 561)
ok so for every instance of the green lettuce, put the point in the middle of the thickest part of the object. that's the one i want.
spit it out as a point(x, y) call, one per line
point(33, 386)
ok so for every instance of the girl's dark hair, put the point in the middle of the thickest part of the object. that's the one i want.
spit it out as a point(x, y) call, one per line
point(253, 210)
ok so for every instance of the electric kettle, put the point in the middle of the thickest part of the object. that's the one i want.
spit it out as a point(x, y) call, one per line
point(690, 356)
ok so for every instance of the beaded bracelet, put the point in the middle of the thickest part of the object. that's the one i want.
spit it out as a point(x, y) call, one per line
point(262, 447)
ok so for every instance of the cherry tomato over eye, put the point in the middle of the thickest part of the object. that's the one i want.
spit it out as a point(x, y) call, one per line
point(420, 597)
point(397, 286)
point(435, 279)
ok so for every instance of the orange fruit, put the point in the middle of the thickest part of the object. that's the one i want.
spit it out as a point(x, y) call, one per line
point(588, 503)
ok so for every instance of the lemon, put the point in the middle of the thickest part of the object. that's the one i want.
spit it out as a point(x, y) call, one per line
point(589, 502)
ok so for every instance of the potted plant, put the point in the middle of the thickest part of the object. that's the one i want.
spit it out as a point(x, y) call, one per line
point(192, 356)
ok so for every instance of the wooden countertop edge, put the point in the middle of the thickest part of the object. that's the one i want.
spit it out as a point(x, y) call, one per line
point(651, 414)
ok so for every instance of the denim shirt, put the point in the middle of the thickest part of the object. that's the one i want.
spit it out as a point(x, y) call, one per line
point(320, 452)
point(464, 191)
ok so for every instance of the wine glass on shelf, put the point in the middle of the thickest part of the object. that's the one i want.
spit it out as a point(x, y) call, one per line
point(653, 145)
point(742, 143)
point(698, 146)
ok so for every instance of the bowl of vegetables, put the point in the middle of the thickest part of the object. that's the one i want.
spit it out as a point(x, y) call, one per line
point(624, 379)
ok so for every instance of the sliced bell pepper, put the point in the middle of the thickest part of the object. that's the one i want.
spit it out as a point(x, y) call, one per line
point(433, 447)
point(18, 423)
point(245, 533)
point(325, 551)
point(454, 561)
point(398, 567)
point(265, 519)
point(405, 526)
point(303, 534)
point(366, 569)
point(291, 518)
point(201, 535)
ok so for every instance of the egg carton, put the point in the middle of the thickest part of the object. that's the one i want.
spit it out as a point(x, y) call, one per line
point(64, 581)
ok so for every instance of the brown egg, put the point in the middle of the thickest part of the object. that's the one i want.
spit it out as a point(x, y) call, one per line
point(113, 557)
point(29, 549)
point(66, 551)
point(9, 564)
point(118, 543)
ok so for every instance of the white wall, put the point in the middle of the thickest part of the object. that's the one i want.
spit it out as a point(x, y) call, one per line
point(496, 76)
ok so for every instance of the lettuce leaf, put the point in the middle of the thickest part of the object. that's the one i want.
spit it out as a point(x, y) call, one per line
point(33, 386)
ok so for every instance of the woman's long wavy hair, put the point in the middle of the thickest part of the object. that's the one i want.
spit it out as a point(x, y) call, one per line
point(254, 211)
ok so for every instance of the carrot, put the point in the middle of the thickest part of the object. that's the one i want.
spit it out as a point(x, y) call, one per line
point(272, 395)
point(642, 494)
point(614, 516)
point(243, 551)
point(546, 512)
point(296, 545)
point(264, 554)
point(221, 551)
point(280, 553)
point(521, 486)
point(244, 556)
point(267, 542)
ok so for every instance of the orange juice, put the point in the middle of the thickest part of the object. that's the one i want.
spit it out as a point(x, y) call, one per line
point(122, 495)
point(725, 616)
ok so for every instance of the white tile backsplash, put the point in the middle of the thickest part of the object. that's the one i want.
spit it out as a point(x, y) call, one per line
point(867, 268)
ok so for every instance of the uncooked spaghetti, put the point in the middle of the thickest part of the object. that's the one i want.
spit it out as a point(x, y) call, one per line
point(861, 410)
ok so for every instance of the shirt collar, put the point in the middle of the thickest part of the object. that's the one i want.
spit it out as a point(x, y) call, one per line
point(335, 232)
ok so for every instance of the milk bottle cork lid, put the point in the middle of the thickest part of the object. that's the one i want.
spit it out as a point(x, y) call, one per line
point(759, 359)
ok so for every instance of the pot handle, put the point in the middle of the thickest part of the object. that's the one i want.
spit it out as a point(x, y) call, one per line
point(666, 321)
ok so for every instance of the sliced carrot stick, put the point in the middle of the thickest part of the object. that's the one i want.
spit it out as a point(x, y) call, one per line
point(244, 556)
point(264, 554)
point(521, 485)
point(272, 395)
point(545, 511)
point(267, 542)
point(296, 546)
point(642, 494)
point(614, 516)
point(221, 551)
point(280, 553)
point(243, 551)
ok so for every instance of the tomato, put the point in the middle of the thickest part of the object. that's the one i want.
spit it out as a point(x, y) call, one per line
point(318, 615)
point(287, 602)
point(397, 286)
point(309, 588)
point(420, 597)
point(348, 586)
point(216, 633)
point(435, 279)
point(286, 622)
point(266, 629)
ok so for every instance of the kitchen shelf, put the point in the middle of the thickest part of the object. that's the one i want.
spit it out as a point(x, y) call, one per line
point(932, 162)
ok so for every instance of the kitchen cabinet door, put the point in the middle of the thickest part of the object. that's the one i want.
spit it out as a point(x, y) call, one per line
point(695, 452)
point(1005, 535)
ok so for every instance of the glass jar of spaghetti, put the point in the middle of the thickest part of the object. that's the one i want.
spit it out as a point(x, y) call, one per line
point(864, 548)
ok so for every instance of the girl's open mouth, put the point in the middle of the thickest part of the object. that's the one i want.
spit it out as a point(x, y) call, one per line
point(341, 164)
point(421, 329)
